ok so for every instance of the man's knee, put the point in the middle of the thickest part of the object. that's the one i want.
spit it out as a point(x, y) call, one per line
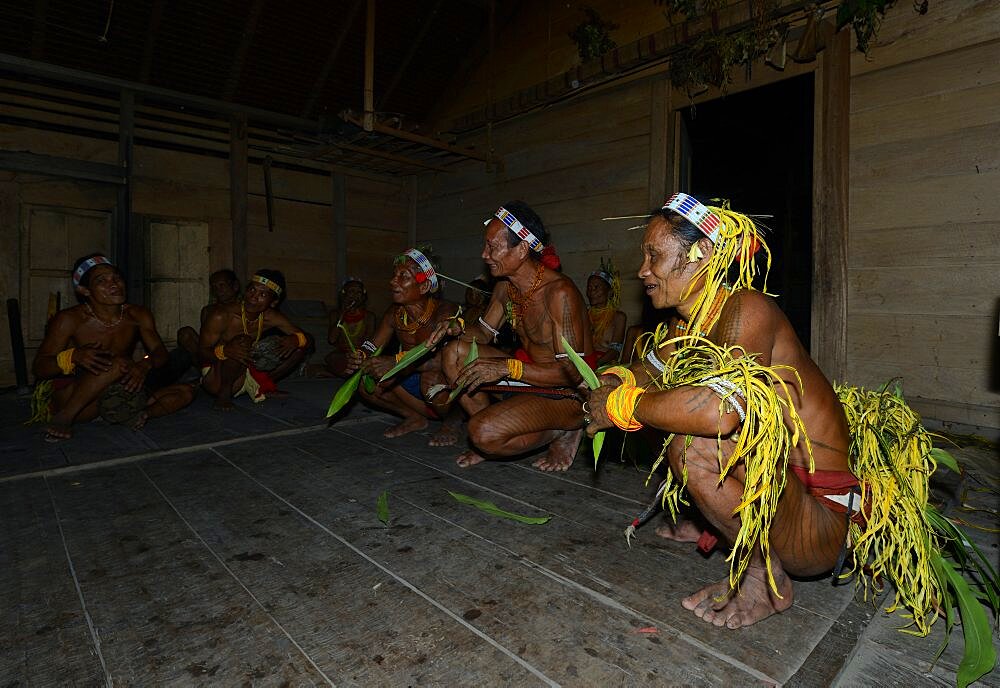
point(454, 351)
point(485, 435)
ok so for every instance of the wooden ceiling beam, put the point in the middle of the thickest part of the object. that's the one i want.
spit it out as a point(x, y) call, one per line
point(331, 60)
point(236, 70)
point(404, 66)
point(155, 17)
point(417, 138)
point(401, 159)
point(38, 29)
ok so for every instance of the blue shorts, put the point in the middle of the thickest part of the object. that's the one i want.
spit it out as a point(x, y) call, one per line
point(411, 383)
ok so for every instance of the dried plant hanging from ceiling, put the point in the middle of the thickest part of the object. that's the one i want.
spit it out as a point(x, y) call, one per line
point(709, 59)
point(593, 36)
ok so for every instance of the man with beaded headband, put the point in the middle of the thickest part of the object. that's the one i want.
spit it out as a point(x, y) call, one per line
point(227, 339)
point(543, 306)
point(415, 311)
point(729, 331)
point(607, 323)
point(88, 351)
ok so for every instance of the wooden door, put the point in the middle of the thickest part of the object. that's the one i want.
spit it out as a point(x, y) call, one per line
point(52, 239)
point(176, 268)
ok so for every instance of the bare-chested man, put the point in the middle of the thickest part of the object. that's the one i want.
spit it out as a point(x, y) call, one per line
point(543, 306)
point(232, 329)
point(351, 323)
point(415, 312)
point(607, 323)
point(807, 533)
point(225, 288)
point(89, 347)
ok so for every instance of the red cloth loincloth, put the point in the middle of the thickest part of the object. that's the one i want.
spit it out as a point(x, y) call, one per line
point(822, 483)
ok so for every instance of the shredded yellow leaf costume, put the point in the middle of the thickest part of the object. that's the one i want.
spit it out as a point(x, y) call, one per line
point(891, 453)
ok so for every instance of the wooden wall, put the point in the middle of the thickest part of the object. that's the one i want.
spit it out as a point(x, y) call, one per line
point(924, 253)
point(924, 222)
point(174, 185)
point(573, 164)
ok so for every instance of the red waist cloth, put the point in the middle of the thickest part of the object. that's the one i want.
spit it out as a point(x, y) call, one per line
point(821, 483)
point(525, 357)
point(263, 379)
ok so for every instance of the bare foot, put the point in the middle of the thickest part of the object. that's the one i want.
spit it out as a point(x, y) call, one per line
point(224, 405)
point(469, 458)
point(446, 436)
point(58, 431)
point(561, 452)
point(754, 600)
point(682, 531)
point(406, 427)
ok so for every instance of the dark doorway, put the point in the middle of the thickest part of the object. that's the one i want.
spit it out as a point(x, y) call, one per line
point(755, 148)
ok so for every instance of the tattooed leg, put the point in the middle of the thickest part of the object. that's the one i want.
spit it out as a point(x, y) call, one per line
point(523, 423)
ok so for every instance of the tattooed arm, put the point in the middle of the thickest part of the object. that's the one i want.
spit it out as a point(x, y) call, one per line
point(747, 320)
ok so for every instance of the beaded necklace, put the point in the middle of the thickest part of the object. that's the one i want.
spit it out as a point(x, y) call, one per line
point(404, 324)
point(243, 319)
point(600, 319)
point(518, 303)
point(107, 325)
point(711, 316)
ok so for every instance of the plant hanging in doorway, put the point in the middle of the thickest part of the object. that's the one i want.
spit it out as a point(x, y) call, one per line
point(593, 36)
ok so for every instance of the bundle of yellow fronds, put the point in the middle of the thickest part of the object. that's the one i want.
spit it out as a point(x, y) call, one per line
point(763, 441)
point(739, 239)
point(891, 455)
point(41, 411)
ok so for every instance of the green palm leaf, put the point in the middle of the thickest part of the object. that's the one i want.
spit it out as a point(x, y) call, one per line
point(494, 510)
point(590, 377)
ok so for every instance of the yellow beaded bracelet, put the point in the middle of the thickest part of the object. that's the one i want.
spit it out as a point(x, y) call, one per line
point(515, 368)
point(64, 359)
point(399, 356)
point(621, 405)
point(622, 373)
point(303, 341)
point(220, 351)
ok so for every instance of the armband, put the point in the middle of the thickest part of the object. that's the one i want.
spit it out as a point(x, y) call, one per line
point(64, 359)
point(368, 347)
point(726, 391)
point(621, 404)
point(515, 368)
point(303, 340)
point(486, 326)
point(615, 346)
point(655, 360)
point(220, 351)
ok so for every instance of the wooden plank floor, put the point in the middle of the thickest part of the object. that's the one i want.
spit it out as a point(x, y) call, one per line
point(244, 549)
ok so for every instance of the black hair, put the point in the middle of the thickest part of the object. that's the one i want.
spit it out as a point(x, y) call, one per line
point(278, 278)
point(227, 273)
point(527, 217)
point(681, 226)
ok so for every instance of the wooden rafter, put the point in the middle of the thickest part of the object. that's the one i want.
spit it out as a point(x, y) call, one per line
point(236, 70)
point(155, 17)
point(414, 45)
point(417, 138)
point(333, 148)
point(331, 60)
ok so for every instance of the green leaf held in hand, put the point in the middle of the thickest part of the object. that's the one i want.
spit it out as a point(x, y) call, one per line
point(382, 507)
point(411, 356)
point(473, 355)
point(344, 394)
point(493, 509)
point(590, 377)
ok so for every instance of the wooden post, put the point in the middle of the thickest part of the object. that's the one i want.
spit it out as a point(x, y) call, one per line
point(338, 204)
point(128, 251)
point(661, 142)
point(370, 68)
point(238, 187)
point(831, 150)
point(411, 230)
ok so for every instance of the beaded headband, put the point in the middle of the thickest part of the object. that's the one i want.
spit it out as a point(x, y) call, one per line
point(427, 273)
point(604, 276)
point(270, 284)
point(514, 225)
point(85, 267)
point(697, 214)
